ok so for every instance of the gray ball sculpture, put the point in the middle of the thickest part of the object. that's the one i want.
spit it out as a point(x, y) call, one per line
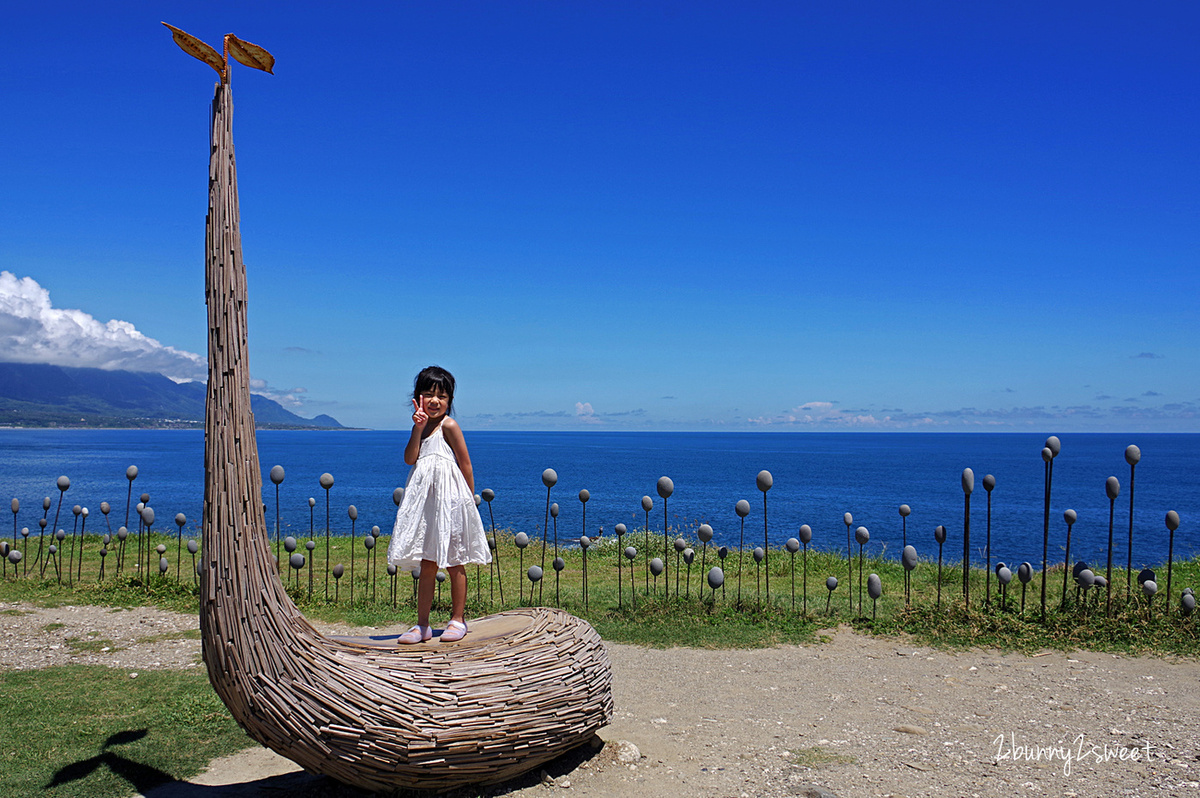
point(665, 488)
point(680, 545)
point(1004, 575)
point(705, 535)
point(793, 545)
point(742, 508)
point(939, 534)
point(831, 584)
point(905, 512)
point(1133, 456)
point(1172, 521)
point(647, 506)
point(326, 482)
point(968, 487)
point(522, 540)
point(716, 578)
point(1049, 452)
point(805, 535)
point(689, 556)
point(656, 568)
point(989, 484)
point(585, 543)
point(848, 520)
point(909, 559)
point(1025, 575)
point(1086, 581)
point(1070, 516)
point(549, 479)
point(764, 481)
point(630, 554)
point(1112, 487)
point(861, 536)
point(874, 590)
point(621, 529)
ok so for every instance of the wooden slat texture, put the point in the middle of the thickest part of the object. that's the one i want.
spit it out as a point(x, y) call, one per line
point(529, 685)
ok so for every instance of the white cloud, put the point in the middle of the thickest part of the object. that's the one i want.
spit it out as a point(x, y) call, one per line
point(821, 414)
point(289, 398)
point(585, 413)
point(33, 331)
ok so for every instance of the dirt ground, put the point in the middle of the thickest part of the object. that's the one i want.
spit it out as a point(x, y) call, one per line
point(854, 715)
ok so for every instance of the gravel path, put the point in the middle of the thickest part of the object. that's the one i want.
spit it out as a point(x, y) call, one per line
point(857, 715)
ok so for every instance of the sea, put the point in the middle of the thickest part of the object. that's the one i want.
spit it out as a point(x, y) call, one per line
point(817, 478)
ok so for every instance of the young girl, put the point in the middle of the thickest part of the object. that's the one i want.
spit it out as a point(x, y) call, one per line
point(437, 523)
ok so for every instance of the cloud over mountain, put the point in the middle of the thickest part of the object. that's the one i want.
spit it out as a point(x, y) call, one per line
point(32, 330)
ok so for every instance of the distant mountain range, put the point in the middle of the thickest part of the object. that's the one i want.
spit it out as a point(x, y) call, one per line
point(39, 395)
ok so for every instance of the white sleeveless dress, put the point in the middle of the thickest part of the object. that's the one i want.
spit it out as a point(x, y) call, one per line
point(437, 519)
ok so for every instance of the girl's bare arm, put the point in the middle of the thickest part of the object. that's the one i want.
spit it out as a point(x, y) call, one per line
point(413, 450)
point(454, 436)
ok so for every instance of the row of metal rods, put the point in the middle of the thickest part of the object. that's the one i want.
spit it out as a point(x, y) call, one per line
point(655, 566)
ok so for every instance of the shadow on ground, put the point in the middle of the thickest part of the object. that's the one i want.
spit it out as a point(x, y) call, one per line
point(306, 785)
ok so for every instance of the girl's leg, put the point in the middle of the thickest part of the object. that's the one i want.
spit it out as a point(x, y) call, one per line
point(458, 592)
point(425, 589)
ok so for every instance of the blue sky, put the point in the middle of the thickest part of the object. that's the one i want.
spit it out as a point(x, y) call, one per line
point(631, 215)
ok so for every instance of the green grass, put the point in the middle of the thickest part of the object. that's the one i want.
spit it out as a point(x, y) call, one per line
point(95, 732)
point(686, 613)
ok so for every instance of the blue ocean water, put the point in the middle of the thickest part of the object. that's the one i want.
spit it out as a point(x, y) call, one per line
point(817, 478)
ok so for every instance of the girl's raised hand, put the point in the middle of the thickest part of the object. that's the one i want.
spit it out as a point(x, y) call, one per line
point(420, 417)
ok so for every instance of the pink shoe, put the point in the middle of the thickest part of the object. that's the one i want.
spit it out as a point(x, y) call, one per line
point(454, 631)
point(417, 634)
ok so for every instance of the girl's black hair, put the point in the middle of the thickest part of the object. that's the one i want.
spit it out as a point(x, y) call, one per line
point(435, 377)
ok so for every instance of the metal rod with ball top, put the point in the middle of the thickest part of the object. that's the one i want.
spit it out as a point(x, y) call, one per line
point(1049, 452)
point(549, 479)
point(968, 486)
point(1112, 487)
point(1070, 516)
point(665, 488)
point(1133, 456)
point(764, 481)
point(989, 484)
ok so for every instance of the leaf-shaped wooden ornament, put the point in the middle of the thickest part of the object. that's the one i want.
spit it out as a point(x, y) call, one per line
point(249, 54)
point(198, 49)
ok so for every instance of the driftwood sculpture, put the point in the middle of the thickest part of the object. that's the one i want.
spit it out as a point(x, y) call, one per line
point(524, 687)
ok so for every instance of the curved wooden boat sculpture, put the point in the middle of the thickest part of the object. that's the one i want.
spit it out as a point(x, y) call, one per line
point(523, 687)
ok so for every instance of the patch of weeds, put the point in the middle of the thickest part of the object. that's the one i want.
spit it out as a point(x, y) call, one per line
point(817, 757)
point(91, 645)
point(53, 627)
point(186, 634)
point(14, 612)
